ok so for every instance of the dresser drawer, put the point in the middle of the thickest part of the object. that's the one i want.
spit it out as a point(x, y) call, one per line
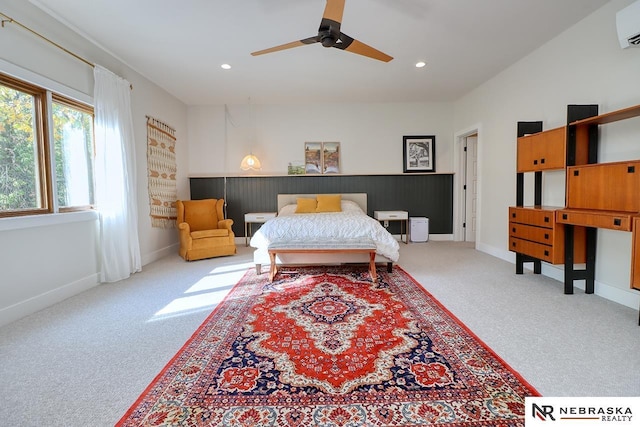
point(599, 219)
point(528, 232)
point(391, 215)
point(532, 216)
point(536, 250)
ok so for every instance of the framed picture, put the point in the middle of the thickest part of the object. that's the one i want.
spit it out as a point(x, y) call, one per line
point(330, 157)
point(419, 153)
point(313, 157)
point(295, 168)
point(321, 157)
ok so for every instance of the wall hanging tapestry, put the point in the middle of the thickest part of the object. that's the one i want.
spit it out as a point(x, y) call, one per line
point(161, 166)
point(326, 347)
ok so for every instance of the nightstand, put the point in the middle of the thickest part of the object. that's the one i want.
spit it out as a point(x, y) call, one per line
point(255, 218)
point(402, 216)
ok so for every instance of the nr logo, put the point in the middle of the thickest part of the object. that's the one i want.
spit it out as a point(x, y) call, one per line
point(543, 412)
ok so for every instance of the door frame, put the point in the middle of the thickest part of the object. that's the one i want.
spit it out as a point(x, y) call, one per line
point(458, 183)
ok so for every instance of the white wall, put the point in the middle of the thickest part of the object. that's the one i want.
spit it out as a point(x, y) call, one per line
point(370, 135)
point(584, 65)
point(45, 260)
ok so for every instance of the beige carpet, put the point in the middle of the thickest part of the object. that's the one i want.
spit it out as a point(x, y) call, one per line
point(84, 361)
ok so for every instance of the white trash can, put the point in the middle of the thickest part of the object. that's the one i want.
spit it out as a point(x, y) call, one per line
point(419, 229)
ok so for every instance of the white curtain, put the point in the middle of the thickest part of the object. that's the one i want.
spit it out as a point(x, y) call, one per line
point(115, 171)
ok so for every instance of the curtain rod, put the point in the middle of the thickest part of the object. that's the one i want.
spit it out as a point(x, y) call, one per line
point(13, 21)
point(37, 34)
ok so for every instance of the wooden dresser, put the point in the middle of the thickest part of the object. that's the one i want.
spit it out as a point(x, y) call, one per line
point(534, 231)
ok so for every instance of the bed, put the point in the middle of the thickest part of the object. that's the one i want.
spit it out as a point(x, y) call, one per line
point(351, 224)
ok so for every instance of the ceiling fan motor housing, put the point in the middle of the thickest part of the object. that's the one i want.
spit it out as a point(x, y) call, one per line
point(329, 35)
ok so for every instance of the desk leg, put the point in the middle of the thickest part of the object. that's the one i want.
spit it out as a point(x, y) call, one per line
point(246, 241)
point(406, 232)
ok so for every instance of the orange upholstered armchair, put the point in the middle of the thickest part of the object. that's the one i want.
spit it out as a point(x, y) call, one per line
point(204, 233)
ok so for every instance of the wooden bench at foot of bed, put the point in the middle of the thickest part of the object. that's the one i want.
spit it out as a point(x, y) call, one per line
point(365, 246)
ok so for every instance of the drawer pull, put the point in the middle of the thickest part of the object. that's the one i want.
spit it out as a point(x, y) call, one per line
point(513, 229)
point(631, 169)
point(546, 253)
point(576, 173)
point(546, 236)
point(535, 162)
point(546, 219)
point(513, 215)
point(542, 161)
point(617, 221)
point(564, 216)
point(513, 244)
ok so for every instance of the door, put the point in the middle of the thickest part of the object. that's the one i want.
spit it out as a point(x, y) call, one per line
point(470, 187)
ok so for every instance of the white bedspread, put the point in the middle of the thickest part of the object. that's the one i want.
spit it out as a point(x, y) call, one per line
point(350, 224)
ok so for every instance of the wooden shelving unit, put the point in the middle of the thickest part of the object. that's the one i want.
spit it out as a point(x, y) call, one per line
point(598, 195)
point(535, 235)
point(602, 195)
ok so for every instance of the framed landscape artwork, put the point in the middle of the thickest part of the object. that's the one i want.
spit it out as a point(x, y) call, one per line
point(330, 157)
point(321, 158)
point(419, 153)
point(313, 157)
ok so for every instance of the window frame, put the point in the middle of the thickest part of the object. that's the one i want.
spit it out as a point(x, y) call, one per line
point(80, 106)
point(43, 133)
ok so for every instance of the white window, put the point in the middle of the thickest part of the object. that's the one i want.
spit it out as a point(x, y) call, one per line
point(46, 151)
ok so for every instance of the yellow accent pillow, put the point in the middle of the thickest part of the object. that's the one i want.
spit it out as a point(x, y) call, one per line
point(305, 205)
point(329, 203)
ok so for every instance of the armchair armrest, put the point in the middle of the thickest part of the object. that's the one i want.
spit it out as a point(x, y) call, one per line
point(225, 223)
point(185, 235)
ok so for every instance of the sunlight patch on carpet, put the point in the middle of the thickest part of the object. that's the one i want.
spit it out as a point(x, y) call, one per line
point(206, 293)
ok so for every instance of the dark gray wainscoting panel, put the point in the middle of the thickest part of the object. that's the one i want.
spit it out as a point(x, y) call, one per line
point(422, 195)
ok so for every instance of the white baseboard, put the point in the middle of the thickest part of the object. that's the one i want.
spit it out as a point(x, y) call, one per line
point(440, 237)
point(47, 299)
point(160, 253)
point(621, 296)
point(42, 301)
point(498, 253)
point(625, 297)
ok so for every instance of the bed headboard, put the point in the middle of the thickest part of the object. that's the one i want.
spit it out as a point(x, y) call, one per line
point(291, 199)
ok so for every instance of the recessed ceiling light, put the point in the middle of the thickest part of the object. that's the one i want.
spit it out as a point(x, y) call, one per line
point(226, 66)
point(420, 64)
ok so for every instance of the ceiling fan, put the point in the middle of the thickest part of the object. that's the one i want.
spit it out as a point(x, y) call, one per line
point(329, 35)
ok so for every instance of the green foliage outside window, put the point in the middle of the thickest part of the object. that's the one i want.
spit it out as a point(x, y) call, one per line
point(19, 183)
point(23, 146)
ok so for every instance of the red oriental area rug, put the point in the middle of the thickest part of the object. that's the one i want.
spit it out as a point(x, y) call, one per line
point(326, 347)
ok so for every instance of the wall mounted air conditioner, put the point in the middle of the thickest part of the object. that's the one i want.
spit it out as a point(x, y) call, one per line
point(628, 23)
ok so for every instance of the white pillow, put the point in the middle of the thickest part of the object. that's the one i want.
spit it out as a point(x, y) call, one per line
point(287, 210)
point(350, 206)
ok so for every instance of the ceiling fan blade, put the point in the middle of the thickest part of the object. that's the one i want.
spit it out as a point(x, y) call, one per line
point(354, 46)
point(297, 43)
point(334, 10)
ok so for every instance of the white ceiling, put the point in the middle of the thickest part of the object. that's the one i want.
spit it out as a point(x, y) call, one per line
point(180, 45)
